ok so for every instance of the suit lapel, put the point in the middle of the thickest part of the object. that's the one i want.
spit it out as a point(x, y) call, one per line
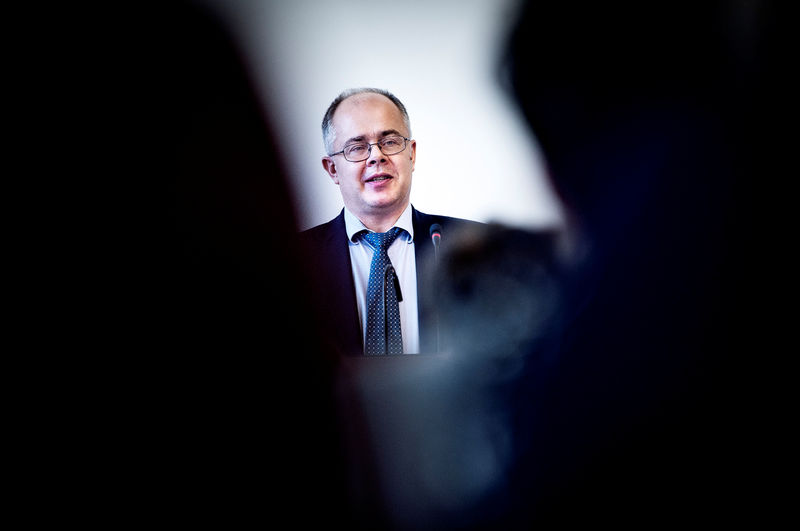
point(335, 272)
point(423, 252)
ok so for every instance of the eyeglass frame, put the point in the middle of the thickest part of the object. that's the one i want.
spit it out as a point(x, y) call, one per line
point(369, 149)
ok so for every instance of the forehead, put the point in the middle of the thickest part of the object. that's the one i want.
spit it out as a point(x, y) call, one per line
point(366, 115)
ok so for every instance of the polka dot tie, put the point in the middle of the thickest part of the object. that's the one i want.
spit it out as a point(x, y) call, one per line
point(384, 335)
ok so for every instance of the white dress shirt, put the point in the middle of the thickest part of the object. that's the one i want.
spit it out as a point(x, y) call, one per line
point(401, 253)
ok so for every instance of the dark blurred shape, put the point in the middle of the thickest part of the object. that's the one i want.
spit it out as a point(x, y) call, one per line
point(437, 431)
point(650, 119)
point(246, 429)
point(498, 295)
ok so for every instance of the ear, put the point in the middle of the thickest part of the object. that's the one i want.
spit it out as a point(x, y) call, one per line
point(330, 167)
point(413, 153)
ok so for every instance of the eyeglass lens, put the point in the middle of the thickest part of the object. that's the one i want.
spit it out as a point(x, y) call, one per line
point(389, 145)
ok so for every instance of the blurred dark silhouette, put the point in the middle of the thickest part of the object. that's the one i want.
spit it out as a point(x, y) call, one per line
point(246, 430)
point(650, 120)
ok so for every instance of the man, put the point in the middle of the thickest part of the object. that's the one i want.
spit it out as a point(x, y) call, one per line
point(371, 156)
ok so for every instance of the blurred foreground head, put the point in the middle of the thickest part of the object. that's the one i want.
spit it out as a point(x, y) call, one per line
point(639, 104)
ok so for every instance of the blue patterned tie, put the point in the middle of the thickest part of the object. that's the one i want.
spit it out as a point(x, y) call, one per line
point(383, 313)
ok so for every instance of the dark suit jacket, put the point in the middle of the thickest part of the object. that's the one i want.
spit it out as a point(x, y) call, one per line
point(331, 279)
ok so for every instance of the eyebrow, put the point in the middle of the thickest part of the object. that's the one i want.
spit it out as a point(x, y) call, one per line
point(362, 138)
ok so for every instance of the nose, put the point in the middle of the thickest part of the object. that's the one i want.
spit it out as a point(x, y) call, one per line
point(376, 156)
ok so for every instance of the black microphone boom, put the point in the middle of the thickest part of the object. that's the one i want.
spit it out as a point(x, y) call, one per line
point(436, 237)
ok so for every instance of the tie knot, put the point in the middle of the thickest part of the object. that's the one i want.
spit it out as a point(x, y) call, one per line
point(382, 240)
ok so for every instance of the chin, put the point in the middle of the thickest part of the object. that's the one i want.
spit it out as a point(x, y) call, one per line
point(383, 202)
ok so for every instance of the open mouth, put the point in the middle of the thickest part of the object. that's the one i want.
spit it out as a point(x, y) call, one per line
point(378, 178)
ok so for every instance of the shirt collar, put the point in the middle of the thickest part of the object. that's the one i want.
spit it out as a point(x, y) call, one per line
point(353, 225)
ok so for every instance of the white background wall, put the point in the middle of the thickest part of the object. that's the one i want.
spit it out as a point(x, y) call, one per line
point(476, 157)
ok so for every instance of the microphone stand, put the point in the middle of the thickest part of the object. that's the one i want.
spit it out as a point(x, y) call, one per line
point(436, 238)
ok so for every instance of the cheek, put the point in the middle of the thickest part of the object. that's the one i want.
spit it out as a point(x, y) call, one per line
point(350, 178)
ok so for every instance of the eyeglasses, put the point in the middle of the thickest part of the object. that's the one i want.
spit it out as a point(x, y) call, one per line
point(389, 145)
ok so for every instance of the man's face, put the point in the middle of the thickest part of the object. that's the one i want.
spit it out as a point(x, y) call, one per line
point(381, 185)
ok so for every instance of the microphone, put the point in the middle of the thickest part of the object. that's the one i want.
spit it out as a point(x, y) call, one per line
point(389, 270)
point(436, 237)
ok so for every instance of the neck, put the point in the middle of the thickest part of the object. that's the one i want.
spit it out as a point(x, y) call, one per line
point(381, 222)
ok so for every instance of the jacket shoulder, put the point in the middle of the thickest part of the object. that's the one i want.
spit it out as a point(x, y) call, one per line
point(424, 221)
point(324, 231)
